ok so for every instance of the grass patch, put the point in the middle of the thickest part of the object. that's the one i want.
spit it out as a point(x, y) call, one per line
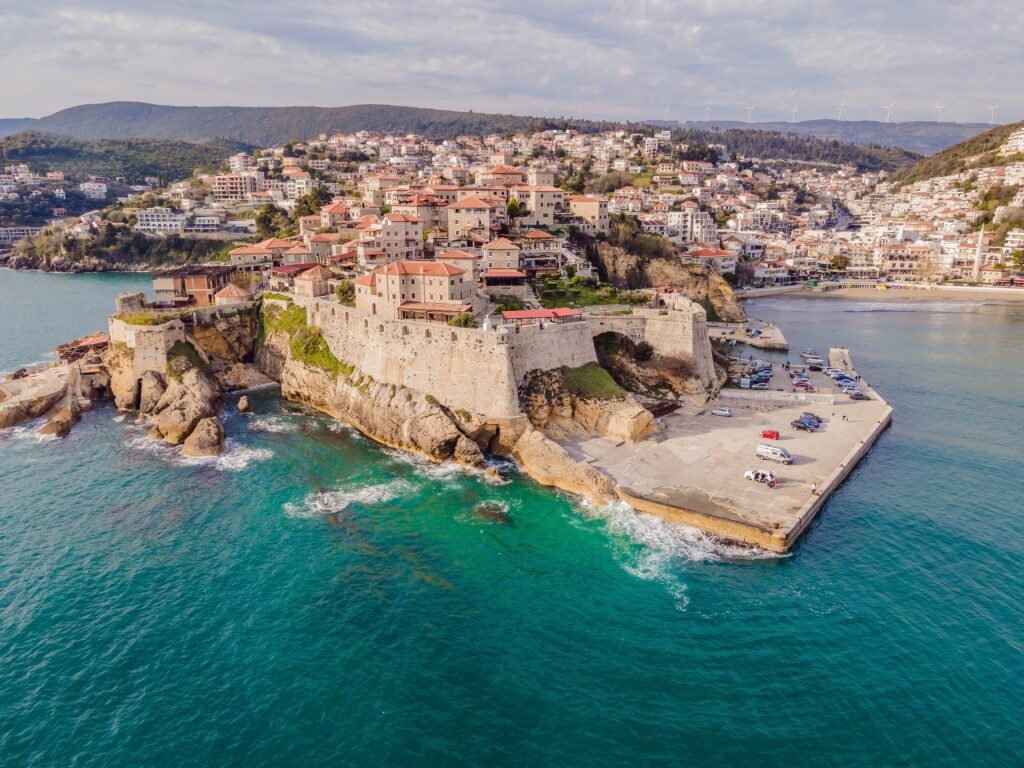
point(149, 318)
point(278, 296)
point(579, 292)
point(431, 399)
point(591, 380)
point(308, 346)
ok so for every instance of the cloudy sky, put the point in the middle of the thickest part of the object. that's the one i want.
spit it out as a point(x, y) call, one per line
point(630, 59)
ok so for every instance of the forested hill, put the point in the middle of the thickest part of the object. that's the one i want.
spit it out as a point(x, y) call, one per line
point(267, 126)
point(772, 145)
point(131, 158)
point(925, 137)
point(976, 152)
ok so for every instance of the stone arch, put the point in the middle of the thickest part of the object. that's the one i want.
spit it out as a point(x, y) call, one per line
point(405, 330)
point(426, 334)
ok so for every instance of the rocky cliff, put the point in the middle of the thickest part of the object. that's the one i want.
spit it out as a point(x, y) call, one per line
point(299, 358)
point(700, 283)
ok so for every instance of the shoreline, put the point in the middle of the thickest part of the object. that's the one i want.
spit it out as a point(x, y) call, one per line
point(979, 294)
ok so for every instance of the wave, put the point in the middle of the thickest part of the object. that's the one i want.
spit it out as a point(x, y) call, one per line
point(235, 458)
point(318, 503)
point(274, 424)
point(28, 431)
point(652, 548)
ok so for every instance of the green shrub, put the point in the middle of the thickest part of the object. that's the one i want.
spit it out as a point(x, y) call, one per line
point(643, 352)
point(463, 320)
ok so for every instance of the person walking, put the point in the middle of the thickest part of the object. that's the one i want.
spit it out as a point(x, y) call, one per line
point(814, 489)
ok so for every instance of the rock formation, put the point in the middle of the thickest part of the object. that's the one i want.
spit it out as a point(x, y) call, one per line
point(244, 406)
point(561, 414)
point(207, 439)
point(698, 282)
point(550, 464)
point(191, 396)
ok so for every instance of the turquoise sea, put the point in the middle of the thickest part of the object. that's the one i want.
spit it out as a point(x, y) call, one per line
point(311, 599)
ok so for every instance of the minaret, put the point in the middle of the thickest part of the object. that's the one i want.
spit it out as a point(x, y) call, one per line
point(976, 272)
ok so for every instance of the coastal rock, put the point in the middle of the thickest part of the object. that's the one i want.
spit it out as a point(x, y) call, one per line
point(241, 376)
point(31, 396)
point(562, 415)
point(467, 452)
point(60, 422)
point(244, 406)
point(550, 464)
point(207, 439)
point(191, 396)
point(230, 337)
point(151, 389)
point(119, 362)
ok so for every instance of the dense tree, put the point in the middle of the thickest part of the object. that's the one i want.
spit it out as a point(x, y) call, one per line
point(310, 203)
point(270, 220)
point(346, 293)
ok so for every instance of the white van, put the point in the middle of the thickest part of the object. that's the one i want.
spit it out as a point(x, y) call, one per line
point(774, 453)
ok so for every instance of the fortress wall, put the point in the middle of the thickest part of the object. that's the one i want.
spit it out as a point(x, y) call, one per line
point(549, 346)
point(683, 333)
point(149, 343)
point(464, 368)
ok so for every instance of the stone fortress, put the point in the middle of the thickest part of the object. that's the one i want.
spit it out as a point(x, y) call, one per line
point(481, 370)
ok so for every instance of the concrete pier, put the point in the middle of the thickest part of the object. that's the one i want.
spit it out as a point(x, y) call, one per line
point(693, 472)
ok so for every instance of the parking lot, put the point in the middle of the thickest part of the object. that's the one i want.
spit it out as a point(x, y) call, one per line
point(698, 462)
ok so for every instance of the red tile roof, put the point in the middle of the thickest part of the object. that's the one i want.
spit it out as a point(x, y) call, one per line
point(418, 267)
point(541, 314)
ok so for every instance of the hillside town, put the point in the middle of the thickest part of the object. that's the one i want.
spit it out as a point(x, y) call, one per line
point(503, 211)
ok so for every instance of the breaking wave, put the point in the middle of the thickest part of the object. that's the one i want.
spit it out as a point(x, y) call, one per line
point(318, 503)
point(274, 424)
point(652, 548)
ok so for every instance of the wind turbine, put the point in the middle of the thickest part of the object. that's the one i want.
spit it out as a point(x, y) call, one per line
point(888, 111)
point(707, 111)
point(750, 113)
point(841, 109)
point(939, 108)
point(793, 113)
point(992, 114)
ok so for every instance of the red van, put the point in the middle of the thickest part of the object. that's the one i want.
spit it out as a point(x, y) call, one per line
point(770, 434)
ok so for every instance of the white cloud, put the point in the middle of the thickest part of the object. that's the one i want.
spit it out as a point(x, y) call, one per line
point(623, 58)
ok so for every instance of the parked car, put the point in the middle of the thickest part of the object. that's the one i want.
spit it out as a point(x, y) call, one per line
point(805, 385)
point(770, 434)
point(813, 367)
point(809, 415)
point(774, 453)
point(760, 476)
point(859, 396)
point(806, 426)
point(727, 412)
point(759, 385)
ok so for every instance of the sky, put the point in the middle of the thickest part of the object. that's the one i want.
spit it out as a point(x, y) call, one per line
point(637, 59)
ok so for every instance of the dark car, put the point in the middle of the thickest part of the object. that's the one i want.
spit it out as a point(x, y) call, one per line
point(806, 426)
point(859, 396)
point(811, 416)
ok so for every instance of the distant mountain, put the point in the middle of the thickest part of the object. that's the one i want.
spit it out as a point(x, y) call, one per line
point(267, 126)
point(788, 147)
point(922, 137)
point(132, 158)
point(11, 125)
point(977, 152)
